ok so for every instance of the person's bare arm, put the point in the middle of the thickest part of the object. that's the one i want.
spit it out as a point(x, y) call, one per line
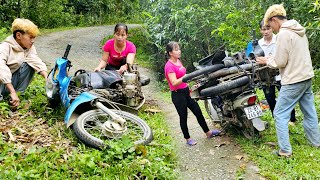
point(130, 59)
point(44, 74)
point(173, 79)
point(103, 62)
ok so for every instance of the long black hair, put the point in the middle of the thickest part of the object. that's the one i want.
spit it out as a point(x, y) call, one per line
point(120, 26)
point(170, 47)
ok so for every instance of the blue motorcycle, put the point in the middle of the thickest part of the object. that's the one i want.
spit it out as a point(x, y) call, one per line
point(99, 105)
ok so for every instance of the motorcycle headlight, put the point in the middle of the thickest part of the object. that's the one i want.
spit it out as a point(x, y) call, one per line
point(51, 86)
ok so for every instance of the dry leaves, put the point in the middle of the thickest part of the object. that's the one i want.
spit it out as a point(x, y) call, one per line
point(238, 157)
point(271, 143)
point(26, 134)
point(222, 144)
point(152, 110)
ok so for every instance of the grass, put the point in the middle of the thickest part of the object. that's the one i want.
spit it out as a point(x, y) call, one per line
point(41, 147)
point(47, 31)
point(305, 161)
point(35, 143)
point(304, 164)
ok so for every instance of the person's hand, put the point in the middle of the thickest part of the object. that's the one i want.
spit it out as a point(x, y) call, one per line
point(14, 101)
point(261, 60)
point(122, 69)
point(97, 69)
point(44, 74)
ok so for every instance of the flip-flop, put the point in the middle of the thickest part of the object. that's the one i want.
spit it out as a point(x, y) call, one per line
point(282, 154)
point(214, 133)
point(191, 142)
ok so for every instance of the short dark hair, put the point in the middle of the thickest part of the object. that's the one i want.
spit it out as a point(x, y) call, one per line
point(261, 24)
point(15, 33)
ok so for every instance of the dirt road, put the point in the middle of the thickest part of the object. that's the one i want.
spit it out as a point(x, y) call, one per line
point(217, 158)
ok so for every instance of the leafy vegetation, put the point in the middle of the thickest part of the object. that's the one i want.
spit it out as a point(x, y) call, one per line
point(302, 165)
point(61, 13)
point(304, 162)
point(35, 143)
point(201, 27)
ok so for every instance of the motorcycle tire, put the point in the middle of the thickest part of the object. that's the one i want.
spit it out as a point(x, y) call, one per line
point(212, 111)
point(220, 88)
point(88, 128)
point(247, 128)
point(215, 114)
point(205, 70)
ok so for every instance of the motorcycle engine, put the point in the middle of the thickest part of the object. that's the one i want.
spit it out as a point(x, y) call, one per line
point(132, 89)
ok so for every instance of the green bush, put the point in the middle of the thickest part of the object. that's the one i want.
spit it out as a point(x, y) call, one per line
point(3, 33)
point(62, 13)
point(202, 27)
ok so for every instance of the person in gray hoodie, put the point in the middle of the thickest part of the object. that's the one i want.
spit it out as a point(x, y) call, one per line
point(19, 60)
point(268, 44)
point(292, 57)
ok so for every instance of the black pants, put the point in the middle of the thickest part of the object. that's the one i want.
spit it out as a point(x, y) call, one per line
point(270, 94)
point(182, 100)
point(112, 67)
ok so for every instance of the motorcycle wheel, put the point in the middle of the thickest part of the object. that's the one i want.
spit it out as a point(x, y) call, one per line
point(214, 114)
point(247, 129)
point(224, 87)
point(88, 128)
point(211, 110)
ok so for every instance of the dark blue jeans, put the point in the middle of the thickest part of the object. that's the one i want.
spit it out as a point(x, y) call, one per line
point(20, 80)
point(289, 96)
point(270, 94)
point(182, 100)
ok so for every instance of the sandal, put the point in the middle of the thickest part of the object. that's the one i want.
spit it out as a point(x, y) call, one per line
point(191, 142)
point(282, 154)
point(214, 133)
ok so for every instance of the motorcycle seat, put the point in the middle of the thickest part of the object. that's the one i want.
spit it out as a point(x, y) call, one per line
point(98, 80)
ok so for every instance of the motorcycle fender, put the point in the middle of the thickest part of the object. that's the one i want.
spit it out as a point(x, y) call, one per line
point(70, 116)
point(241, 101)
point(259, 124)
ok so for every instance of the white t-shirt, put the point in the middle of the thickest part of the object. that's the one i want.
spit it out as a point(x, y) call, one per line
point(269, 49)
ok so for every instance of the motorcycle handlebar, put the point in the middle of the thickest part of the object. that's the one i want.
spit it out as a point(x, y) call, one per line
point(65, 56)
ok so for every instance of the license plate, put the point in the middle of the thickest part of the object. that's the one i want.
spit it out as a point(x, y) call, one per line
point(253, 111)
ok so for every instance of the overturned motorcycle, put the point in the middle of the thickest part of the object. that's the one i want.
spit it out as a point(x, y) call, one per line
point(99, 105)
point(227, 86)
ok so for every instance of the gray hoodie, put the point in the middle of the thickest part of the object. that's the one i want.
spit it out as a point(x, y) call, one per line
point(12, 55)
point(292, 55)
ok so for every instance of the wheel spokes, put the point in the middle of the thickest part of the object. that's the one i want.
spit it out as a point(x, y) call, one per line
point(94, 125)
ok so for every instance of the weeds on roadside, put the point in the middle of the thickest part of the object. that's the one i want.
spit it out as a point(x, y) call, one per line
point(302, 165)
point(37, 144)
